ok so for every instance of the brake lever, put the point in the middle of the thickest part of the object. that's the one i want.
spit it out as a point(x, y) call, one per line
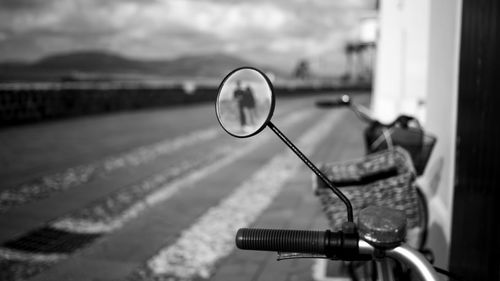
point(291, 256)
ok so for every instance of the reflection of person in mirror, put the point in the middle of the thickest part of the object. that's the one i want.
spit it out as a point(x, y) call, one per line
point(249, 105)
point(239, 96)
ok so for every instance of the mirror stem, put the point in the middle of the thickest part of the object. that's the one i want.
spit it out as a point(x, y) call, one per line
point(314, 169)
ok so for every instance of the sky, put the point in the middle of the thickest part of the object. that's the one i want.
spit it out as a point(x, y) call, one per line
point(278, 33)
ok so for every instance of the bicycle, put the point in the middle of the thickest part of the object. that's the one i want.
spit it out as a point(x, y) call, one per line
point(379, 231)
point(396, 154)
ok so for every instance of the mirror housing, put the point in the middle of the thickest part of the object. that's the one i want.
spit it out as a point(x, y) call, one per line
point(245, 102)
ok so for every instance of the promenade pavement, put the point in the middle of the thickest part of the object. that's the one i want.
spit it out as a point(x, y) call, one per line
point(156, 195)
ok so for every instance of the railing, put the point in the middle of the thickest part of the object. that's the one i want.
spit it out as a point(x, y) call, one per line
point(27, 103)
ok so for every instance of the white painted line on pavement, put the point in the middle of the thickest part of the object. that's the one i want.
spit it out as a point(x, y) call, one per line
point(165, 192)
point(83, 173)
point(45, 185)
point(211, 237)
point(95, 219)
point(10, 254)
point(96, 227)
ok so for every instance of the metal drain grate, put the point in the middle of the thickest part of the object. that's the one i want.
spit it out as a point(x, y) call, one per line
point(48, 240)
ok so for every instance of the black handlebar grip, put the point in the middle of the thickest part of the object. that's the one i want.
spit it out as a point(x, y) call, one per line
point(345, 100)
point(282, 240)
point(328, 103)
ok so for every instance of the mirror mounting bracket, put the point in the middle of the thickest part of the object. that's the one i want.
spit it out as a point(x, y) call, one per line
point(314, 169)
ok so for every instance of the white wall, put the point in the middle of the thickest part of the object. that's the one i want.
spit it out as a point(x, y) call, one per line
point(417, 74)
point(401, 71)
point(442, 104)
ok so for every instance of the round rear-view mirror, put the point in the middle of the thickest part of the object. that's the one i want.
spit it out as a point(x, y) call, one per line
point(245, 102)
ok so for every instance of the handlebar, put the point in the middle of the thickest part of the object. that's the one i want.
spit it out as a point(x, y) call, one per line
point(330, 103)
point(345, 100)
point(281, 240)
point(333, 245)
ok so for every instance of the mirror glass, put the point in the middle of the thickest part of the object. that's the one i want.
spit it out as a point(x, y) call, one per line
point(245, 102)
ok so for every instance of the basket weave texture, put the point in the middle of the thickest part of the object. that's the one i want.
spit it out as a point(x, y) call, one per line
point(385, 178)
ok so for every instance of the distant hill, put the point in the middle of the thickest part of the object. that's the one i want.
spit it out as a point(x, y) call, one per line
point(203, 65)
point(92, 61)
point(103, 65)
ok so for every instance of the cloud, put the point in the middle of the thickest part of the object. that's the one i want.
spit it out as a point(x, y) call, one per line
point(17, 5)
point(280, 31)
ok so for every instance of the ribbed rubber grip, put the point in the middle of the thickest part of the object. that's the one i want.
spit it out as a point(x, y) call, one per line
point(282, 240)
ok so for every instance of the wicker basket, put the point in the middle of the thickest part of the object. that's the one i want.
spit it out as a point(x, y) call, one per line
point(385, 178)
point(414, 139)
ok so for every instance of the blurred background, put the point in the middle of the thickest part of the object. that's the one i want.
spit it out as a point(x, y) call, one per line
point(113, 165)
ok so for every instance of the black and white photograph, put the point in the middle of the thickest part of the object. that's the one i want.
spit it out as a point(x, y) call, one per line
point(249, 140)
